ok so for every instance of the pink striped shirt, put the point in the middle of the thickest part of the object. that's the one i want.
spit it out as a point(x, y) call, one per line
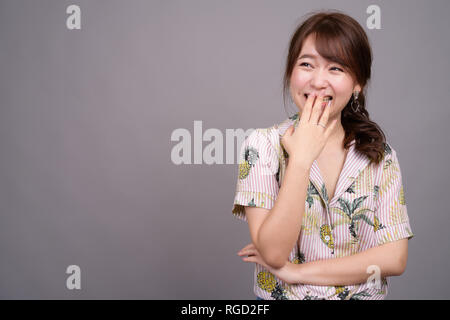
point(368, 209)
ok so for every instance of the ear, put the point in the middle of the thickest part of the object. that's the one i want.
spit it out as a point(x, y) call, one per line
point(357, 88)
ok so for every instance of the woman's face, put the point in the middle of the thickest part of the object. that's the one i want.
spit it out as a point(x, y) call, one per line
point(312, 73)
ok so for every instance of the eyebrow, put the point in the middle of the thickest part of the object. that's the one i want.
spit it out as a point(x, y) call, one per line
point(311, 56)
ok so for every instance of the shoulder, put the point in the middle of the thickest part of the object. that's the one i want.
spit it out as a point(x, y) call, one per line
point(389, 152)
point(285, 124)
point(266, 140)
point(274, 133)
point(390, 164)
point(259, 144)
point(269, 138)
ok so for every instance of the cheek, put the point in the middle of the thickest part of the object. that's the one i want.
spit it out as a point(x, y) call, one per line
point(343, 99)
point(338, 105)
point(299, 80)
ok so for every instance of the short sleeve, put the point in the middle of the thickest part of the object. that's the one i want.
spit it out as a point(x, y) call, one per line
point(391, 221)
point(257, 181)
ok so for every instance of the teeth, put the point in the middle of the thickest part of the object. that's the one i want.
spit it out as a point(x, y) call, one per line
point(326, 98)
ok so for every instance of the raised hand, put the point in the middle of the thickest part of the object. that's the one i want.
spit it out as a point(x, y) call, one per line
point(305, 143)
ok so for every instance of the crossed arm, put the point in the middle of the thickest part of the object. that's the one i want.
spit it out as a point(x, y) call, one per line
point(390, 258)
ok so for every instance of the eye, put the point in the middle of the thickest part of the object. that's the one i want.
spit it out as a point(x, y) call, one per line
point(338, 69)
point(306, 63)
point(303, 63)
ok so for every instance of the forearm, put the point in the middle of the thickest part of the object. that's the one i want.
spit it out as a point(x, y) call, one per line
point(349, 270)
point(280, 230)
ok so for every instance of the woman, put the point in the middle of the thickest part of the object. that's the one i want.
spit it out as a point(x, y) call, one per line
point(322, 192)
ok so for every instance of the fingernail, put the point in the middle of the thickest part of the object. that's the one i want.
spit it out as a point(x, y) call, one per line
point(329, 103)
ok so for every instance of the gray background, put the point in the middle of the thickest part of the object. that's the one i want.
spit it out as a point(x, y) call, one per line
point(86, 117)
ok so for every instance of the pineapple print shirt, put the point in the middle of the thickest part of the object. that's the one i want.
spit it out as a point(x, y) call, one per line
point(367, 210)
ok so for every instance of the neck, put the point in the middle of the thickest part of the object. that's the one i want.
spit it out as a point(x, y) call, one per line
point(336, 138)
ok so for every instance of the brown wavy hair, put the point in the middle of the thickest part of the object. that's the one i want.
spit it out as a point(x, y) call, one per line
point(341, 39)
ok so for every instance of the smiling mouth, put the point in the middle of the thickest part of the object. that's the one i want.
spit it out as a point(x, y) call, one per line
point(326, 98)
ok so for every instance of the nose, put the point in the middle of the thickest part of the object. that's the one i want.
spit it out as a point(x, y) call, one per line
point(319, 79)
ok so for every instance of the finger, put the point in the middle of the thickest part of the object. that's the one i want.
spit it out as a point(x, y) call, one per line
point(254, 259)
point(250, 259)
point(306, 113)
point(249, 246)
point(317, 108)
point(257, 260)
point(248, 252)
point(289, 131)
point(326, 114)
